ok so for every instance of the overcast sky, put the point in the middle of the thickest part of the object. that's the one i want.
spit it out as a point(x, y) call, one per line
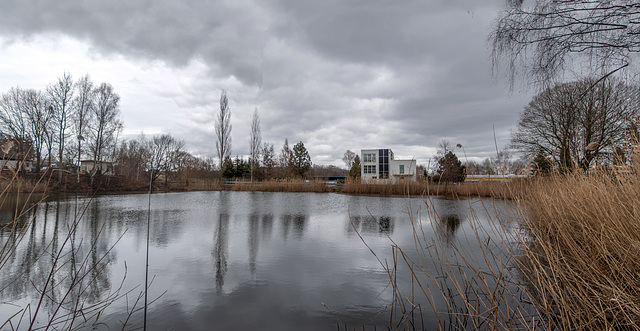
point(336, 75)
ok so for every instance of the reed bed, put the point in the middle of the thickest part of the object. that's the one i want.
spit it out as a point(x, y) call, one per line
point(581, 259)
point(502, 190)
point(282, 186)
point(570, 260)
point(15, 184)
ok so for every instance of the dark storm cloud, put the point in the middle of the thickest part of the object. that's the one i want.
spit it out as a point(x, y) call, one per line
point(337, 74)
point(226, 34)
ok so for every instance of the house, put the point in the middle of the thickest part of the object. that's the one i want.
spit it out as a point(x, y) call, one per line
point(380, 164)
point(102, 167)
point(7, 163)
point(16, 154)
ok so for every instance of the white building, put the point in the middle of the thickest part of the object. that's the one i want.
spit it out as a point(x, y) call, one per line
point(379, 164)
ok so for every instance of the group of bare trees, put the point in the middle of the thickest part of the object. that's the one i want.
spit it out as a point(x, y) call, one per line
point(571, 123)
point(46, 124)
point(146, 159)
point(575, 123)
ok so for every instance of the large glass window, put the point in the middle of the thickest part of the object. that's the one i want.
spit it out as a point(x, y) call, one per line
point(402, 169)
point(383, 163)
point(368, 157)
point(369, 169)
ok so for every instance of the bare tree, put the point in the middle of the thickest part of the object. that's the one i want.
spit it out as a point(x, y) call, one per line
point(60, 96)
point(573, 122)
point(255, 141)
point(83, 103)
point(162, 155)
point(542, 38)
point(13, 120)
point(348, 157)
point(38, 115)
point(223, 129)
point(105, 123)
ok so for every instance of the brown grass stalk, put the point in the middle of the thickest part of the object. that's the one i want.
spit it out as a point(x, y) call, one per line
point(572, 262)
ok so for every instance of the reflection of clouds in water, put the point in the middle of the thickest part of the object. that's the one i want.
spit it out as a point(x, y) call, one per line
point(370, 224)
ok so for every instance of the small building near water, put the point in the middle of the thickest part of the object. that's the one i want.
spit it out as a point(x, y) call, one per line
point(380, 164)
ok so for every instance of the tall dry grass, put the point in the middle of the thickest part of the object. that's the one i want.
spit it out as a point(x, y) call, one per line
point(495, 189)
point(566, 257)
point(282, 186)
point(581, 256)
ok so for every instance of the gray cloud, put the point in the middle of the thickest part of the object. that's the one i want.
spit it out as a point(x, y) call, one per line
point(335, 74)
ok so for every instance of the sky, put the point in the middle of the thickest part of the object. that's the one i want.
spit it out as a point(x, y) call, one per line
point(336, 75)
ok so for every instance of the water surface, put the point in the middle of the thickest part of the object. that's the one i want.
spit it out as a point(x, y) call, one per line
point(225, 260)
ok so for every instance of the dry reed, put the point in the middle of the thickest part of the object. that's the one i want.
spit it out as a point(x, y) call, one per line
point(570, 261)
point(282, 186)
point(502, 190)
point(580, 260)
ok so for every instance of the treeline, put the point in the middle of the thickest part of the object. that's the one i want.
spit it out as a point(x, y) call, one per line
point(61, 124)
point(73, 121)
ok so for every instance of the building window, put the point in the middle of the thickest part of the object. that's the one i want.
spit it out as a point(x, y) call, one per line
point(369, 157)
point(369, 169)
point(402, 169)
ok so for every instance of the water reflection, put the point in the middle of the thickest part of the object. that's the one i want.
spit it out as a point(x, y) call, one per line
point(243, 260)
point(369, 224)
point(294, 224)
point(221, 243)
point(451, 216)
point(61, 260)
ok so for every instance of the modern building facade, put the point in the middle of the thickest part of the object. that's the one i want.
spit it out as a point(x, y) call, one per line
point(380, 164)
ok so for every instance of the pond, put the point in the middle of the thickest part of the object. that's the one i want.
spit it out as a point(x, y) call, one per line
point(229, 260)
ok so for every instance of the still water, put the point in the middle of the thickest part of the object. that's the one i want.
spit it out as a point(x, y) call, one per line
point(220, 260)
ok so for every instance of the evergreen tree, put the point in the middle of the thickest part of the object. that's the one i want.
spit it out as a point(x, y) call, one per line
point(355, 172)
point(228, 170)
point(541, 164)
point(450, 169)
point(300, 159)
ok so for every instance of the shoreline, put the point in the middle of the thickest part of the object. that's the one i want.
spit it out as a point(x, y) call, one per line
point(109, 185)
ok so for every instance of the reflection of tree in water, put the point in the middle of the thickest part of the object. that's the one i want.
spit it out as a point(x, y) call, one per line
point(293, 223)
point(221, 250)
point(267, 225)
point(370, 224)
point(17, 206)
point(254, 237)
point(449, 218)
point(451, 223)
point(65, 265)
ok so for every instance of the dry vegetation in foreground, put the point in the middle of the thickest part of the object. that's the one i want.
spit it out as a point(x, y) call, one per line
point(581, 258)
point(572, 264)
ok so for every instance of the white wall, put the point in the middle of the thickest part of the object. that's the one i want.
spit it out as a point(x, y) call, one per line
point(409, 169)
